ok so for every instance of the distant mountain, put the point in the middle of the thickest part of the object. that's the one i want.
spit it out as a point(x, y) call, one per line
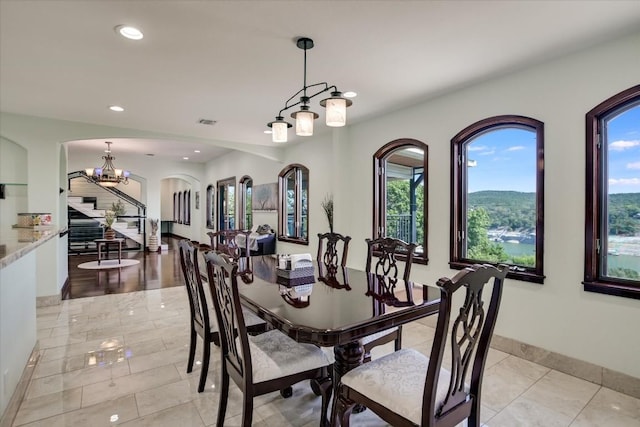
point(512, 209)
point(517, 210)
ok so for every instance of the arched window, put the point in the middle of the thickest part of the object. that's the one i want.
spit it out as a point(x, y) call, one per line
point(180, 212)
point(187, 207)
point(245, 209)
point(612, 249)
point(227, 204)
point(175, 207)
point(210, 203)
point(293, 206)
point(400, 193)
point(497, 211)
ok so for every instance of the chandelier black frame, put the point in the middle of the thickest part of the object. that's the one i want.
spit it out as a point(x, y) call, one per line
point(335, 105)
point(108, 175)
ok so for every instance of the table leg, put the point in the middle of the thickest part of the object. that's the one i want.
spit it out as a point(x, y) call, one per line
point(99, 252)
point(348, 357)
point(119, 252)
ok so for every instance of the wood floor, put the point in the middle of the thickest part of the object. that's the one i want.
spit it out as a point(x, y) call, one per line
point(155, 270)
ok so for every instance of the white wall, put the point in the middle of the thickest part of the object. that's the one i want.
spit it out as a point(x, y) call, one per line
point(261, 170)
point(169, 187)
point(13, 170)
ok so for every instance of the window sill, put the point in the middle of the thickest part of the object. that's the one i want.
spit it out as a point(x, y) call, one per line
point(293, 240)
point(525, 276)
point(616, 289)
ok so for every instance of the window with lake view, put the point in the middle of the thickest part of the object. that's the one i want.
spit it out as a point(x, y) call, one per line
point(497, 210)
point(612, 235)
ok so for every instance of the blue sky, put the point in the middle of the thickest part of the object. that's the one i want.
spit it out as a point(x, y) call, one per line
point(624, 151)
point(503, 160)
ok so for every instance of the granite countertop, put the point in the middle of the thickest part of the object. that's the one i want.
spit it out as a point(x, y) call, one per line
point(17, 242)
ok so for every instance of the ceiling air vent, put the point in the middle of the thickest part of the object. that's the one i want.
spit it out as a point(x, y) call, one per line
point(207, 122)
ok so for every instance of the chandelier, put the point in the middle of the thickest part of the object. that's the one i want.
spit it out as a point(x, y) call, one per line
point(108, 175)
point(336, 105)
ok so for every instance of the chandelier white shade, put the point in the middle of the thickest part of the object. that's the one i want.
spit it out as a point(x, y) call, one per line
point(336, 105)
point(336, 109)
point(279, 129)
point(304, 121)
point(108, 175)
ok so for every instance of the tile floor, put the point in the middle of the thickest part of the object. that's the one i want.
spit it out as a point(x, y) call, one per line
point(121, 360)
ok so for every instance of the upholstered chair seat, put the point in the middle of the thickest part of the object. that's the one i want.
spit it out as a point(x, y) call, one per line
point(397, 382)
point(275, 355)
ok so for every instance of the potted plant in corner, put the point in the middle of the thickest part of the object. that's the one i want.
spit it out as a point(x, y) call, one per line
point(109, 219)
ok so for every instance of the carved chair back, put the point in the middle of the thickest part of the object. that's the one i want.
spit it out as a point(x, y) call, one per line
point(225, 241)
point(193, 282)
point(330, 255)
point(468, 341)
point(222, 274)
point(387, 249)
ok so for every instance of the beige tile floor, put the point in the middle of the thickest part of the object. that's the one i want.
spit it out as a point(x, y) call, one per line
point(120, 359)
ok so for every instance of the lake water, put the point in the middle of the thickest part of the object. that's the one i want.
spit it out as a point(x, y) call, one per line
point(614, 261)
point(518, 249)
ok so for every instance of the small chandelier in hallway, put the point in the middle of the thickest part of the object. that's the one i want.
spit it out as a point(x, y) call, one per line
point(108, 175)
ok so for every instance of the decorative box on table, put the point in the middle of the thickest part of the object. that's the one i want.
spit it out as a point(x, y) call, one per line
point(303, 274)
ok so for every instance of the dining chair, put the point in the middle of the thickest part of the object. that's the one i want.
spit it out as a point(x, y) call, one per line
point(333, 249)
point(258, 364)
point(387, 269)
point(407, 388)
point(202, 321)
point(225, 241)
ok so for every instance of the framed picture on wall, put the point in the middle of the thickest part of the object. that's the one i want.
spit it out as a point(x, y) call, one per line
point(265, 197)
point(197, 200)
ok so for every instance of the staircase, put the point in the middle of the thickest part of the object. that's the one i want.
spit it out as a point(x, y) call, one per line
point(87, 203)
point(121, 227)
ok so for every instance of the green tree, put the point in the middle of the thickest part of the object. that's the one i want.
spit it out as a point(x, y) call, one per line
point(623, 273)
point(398, 203)
point(479, 247)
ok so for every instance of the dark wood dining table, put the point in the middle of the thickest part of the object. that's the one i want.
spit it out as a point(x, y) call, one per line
point(341, 309)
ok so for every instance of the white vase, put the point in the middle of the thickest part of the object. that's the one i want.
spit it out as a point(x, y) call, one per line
point(153, 243)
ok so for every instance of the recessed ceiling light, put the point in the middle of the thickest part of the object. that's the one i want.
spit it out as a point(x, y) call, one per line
point(150, 154)
point(129, 32)
point(268, 132)
point(196, 151)
point(350, 94)
point(116, 108)
point(185, 158)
